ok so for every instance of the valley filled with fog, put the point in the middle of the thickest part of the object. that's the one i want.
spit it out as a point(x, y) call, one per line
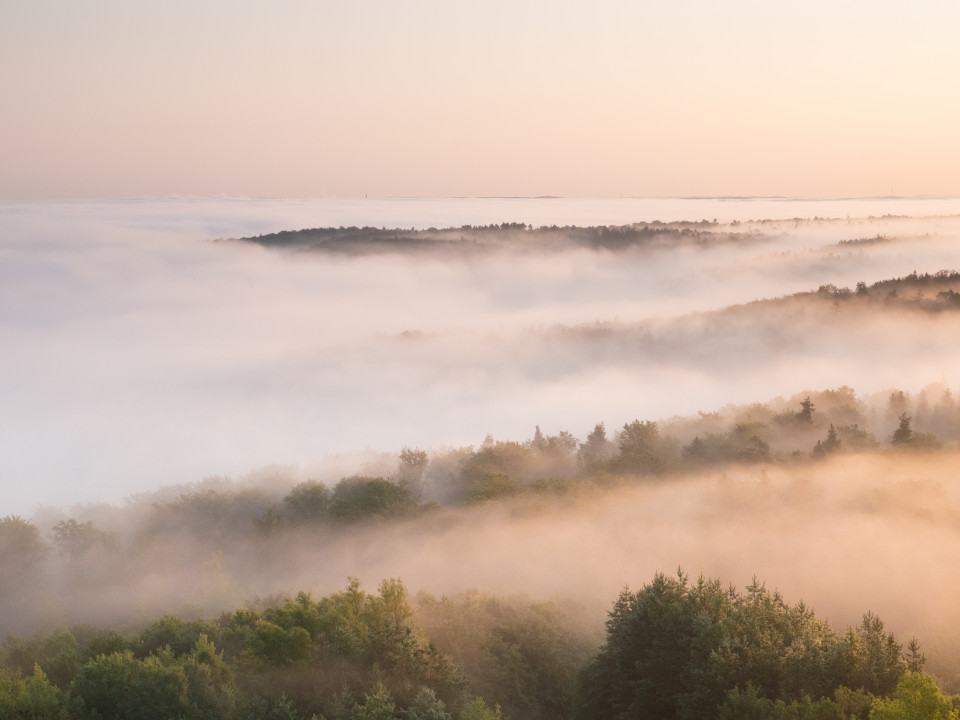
point(498, 412)
point(140, 351)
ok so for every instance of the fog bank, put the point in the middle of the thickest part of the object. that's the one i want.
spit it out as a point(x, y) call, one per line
point(139, 353)
point(846, 535)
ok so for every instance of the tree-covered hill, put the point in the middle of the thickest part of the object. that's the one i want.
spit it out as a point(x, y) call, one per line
point(230, 540)
point(473, 239)
point(673, 650)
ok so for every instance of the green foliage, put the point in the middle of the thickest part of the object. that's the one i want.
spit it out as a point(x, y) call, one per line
point(748, 704)
point(917, 697)
point(479, 710)
point(867, 657)
point(640, 670)
point(853, 437)
point(741, 444)
point(280, 709)
point(121, 686)
point(412, 465)
point(642, 450)
point(427, 706)
point(828, 445)
point(914, 659)
point(853, 703)
point(273, 645)
point(678, 650)
point(179, 636)
point(376, 705)
point(21, 547)
point(597, 449)
point(349, 640)
point(905, 437)
point(57, 653)
point(699, 644)
point(524, 655)
point(104, 643)
point(76, 540)
point(493, 486)
point(210, 683)
point(213, 516)
point(307, 502)
point(903, 434)
point(495, 470)
point(673, 649)
point(361, 498)
point(31, 699)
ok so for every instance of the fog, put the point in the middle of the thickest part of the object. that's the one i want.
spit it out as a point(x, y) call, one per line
point(171, 383)
point(872, 532)
point(139, 353)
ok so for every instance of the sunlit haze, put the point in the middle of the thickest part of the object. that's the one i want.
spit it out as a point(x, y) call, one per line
point(427, 98)
point(356, 356)
point(139, 352)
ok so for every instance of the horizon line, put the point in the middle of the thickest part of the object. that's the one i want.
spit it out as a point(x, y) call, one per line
point(225, 196)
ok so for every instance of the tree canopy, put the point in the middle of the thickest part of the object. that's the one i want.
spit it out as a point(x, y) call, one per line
point(677, 650)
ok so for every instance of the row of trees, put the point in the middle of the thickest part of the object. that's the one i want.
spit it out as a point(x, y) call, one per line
point(673, 649)
point(352, 655)
point(680, 650)
point(496, 469)
point(223, 538)
point(641, 448)
point(511, 235)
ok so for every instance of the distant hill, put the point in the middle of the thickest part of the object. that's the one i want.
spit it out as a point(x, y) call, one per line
point(506, 236)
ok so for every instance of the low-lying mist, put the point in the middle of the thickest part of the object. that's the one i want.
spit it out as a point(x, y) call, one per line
point(139, 353)
point(150, 366)
point(846, 534)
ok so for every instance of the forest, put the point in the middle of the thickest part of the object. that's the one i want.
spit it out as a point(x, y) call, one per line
point(471, 240)
point(672, 649)
point(741, 554)
point(95, 629)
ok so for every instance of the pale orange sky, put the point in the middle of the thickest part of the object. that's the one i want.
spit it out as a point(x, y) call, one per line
point(429, 98)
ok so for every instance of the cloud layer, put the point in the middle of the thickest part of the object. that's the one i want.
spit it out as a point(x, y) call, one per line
point(138, 353)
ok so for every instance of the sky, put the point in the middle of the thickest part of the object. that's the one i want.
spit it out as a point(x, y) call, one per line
point(438, 99)
point(137, 353)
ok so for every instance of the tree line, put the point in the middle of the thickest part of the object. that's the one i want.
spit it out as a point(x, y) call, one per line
point(220, 516)
point(673, 649)
point(676, 649)
point(352, 655)
point(509, 235)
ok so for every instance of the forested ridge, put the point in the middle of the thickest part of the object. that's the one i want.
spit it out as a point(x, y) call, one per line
point(213, 599)
point(471, 239)
point(673, 649)
point(424, 487)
